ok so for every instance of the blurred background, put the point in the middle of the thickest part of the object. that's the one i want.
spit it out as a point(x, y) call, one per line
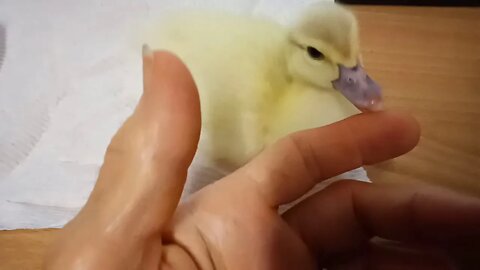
point(69, 65)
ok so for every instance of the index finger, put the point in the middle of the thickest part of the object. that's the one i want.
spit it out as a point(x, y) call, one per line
point(288, 169)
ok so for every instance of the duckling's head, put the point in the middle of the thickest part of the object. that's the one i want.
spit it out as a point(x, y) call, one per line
point(325, 53)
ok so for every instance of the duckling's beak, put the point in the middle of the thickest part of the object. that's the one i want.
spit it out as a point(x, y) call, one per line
point(363, 92)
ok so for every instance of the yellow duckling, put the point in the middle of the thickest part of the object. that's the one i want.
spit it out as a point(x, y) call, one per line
point(259, 80)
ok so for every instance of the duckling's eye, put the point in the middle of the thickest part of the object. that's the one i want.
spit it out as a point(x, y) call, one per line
point(314, 53)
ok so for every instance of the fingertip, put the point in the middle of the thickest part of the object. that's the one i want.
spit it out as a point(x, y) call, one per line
point(404, 129)
point(168, 65)
point(168, 59)
point(172, 79)
point(386, 134)
point(162, 69)
point(168, 83)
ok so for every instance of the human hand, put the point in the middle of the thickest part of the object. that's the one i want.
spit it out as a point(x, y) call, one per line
point(132, 219)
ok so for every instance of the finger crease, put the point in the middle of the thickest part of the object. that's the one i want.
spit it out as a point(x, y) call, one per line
point(313, 169)
point(260, 192)
point(361, 220)
point(356, 151)
point(207, 249)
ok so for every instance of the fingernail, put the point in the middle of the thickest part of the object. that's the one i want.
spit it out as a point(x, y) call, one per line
point(146, 51)
point(147, 67)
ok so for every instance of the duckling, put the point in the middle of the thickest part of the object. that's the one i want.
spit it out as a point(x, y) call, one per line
point(259, 81)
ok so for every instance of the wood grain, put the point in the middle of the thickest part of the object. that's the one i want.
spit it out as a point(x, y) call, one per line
point(24, 249)
point(428, 61)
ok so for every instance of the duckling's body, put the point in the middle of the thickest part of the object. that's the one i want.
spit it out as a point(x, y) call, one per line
point(238, 71)
point(249, 95)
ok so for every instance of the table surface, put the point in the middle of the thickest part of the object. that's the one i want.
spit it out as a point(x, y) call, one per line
point(428, 61)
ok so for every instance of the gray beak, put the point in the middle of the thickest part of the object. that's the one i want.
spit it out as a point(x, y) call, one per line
point(363, 92)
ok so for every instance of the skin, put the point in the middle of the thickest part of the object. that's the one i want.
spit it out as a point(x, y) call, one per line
point(132, 219)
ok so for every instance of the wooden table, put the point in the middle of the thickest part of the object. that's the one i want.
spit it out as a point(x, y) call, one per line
point(428, 61)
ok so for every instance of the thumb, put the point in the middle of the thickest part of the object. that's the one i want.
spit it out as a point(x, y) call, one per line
point(142, 177)
point(147, 160)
